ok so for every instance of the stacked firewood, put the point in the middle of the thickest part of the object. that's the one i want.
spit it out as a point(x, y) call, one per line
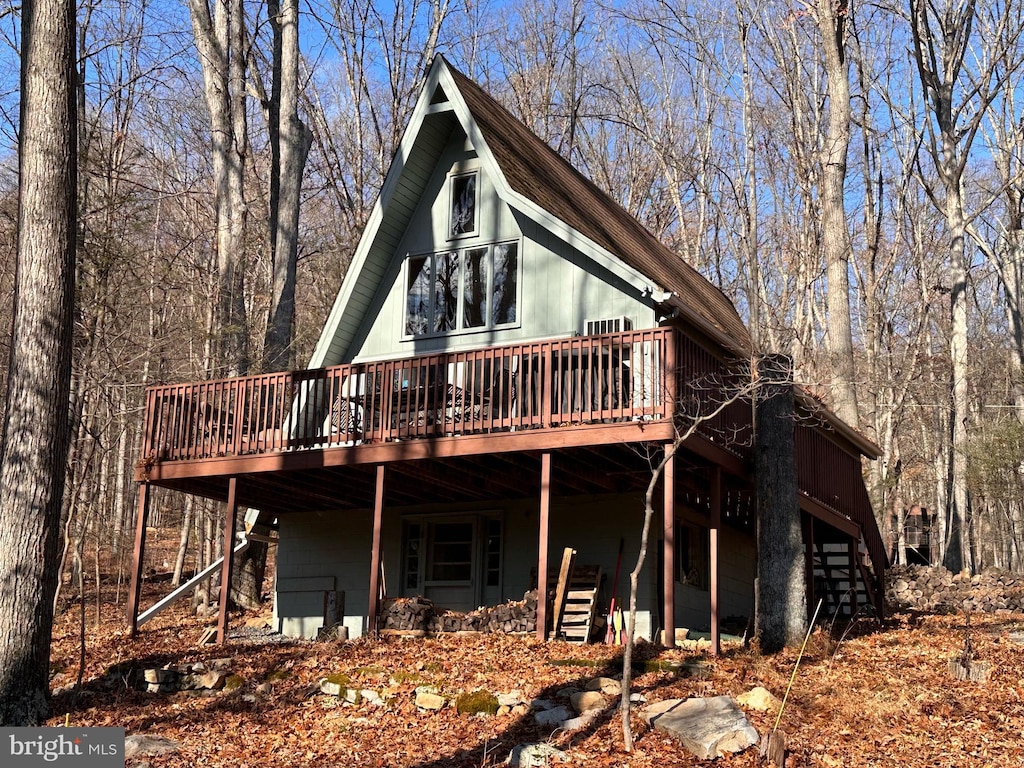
point(933, 588)
point(420, 615)
point(406, 614)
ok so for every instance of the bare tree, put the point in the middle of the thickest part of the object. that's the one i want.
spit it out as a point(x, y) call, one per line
point(290, 140)
point(833, 20)
point(35, 429)
point(964, 54)
point(220, 40)
point(705, 400)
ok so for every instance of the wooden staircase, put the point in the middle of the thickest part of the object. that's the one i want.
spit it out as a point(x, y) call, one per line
point(575, 588)
point(845, 595)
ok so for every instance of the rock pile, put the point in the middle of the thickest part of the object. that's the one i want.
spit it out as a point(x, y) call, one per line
point(933, 588)
point(417, 614)
point(198, 678)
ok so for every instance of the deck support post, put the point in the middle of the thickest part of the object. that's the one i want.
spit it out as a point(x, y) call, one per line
point(135, 591)
point(669, 559)
point(227, 568)
point(713, 552)
point(542, 547)
point(851, 548)
point(375, 552)
point(808, 526)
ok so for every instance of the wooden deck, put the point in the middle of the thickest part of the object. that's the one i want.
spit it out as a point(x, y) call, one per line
point(637, 377)
point(581, 393)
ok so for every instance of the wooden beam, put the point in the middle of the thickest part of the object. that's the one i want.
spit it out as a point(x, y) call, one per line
point(669, 571)
point(623, 433)
point(542, 547)
point(228, 567)
point(829, 516)
point(375, 551)
point(714, 545)
point(851, 551)
point(808, 526)
point(135, 591)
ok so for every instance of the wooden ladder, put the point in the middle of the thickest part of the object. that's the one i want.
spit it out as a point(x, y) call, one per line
point(575, 599)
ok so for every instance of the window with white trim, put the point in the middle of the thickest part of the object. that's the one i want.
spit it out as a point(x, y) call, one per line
point(460, 290)
point(463, 205)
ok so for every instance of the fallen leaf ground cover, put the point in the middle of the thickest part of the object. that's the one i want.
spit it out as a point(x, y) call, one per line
point(880, 695)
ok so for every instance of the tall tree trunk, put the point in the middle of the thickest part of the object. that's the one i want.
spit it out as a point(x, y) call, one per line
point(958, 554)
point(835, 233)
point(219, 40)
point(290, 141)
point(781, 592)
point(35, 437)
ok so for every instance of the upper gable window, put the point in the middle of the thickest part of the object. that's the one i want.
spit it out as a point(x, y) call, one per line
point(463, 205)
point(462, 290)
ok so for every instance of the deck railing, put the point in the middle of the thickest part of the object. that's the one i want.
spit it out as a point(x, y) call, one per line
point(608, 378)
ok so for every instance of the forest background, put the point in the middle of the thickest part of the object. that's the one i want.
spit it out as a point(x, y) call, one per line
point(849, 174)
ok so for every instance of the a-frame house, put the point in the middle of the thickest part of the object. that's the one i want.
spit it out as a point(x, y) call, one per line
point(507, 350)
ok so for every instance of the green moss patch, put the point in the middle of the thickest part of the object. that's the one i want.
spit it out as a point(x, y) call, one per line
point(476, 702)
point(234, 682)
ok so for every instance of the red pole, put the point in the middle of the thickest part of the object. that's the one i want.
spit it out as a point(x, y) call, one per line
point(227, 569)
point(375, 554)
point(135, 591)
point(542, 547)
point(669, 558)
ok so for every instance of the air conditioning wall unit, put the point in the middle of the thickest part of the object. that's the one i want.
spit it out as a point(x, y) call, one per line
point(607, 325)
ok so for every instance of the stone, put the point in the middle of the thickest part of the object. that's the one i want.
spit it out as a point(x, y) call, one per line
point(566, 693)
point(609, 686)
point(552, 717)
point(264, 689)
point(371, 697)
point(759, 699)
point(520, 710)
point(161, 676)
point(162, 688)
point(190, 682)
point(709, 727)
point(509, 699)
point(504, 710)
point(584, 701)
point(221, 665)
point(352, 696)
point(213, 681)
point(141, 745)
point(331, 688)
point(542, 704)
point(428, 698)
point(535, 756)
point(637, 698)
point(584, 720)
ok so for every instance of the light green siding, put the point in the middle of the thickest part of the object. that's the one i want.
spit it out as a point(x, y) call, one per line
point(559, 287)
point(321, 551)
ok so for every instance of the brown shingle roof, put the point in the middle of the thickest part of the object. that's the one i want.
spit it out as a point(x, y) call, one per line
point(537, 172)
